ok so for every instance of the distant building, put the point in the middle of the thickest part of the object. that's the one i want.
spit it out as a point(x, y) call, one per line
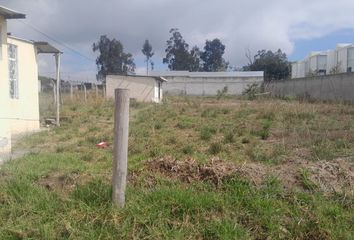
point(339, 60)
point(142, 88)
point(207, 83)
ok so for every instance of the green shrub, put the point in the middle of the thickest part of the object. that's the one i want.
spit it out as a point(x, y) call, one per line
point(221, 93)
point(251, 91)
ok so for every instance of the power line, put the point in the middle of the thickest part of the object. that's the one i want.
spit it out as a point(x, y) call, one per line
point(57, 41)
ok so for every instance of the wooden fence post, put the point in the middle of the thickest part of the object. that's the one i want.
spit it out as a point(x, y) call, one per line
point(71, 91)
point(85, 93)
point(120, 147)
point(57, 61)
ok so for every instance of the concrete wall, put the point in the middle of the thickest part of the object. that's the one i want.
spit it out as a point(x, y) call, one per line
point(25, 109)
point(339, 87)
point(207, 86)
point(5, 128)
point(143, 89)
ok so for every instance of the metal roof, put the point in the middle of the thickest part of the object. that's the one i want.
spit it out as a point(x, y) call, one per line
point(10, 14)
point(207, 74)
point(44, 47)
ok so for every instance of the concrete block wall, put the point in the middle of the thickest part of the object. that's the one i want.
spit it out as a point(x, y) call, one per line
point(339, 87)
point(207, 86)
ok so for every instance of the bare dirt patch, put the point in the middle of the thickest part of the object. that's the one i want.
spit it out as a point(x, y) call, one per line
point(60, 182)
point(329, 176)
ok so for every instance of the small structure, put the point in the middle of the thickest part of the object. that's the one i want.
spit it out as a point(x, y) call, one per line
point(19, 111)
point(142, 88)
point(208, 83)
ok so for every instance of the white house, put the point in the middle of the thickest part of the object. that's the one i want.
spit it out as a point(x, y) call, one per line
point(142, 88)
point(19, 105)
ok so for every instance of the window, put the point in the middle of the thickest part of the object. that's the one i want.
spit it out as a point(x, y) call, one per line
point(13, 70)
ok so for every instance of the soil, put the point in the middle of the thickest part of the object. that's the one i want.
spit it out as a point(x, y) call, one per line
point(59, 181)
point(328, 176)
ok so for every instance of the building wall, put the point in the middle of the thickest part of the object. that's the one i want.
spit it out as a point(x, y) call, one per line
point(144, 89)
point(342, 57)
point(5, 129)
point(25, 109)
point(331, 60)
point(336, 87)
point(207, 86)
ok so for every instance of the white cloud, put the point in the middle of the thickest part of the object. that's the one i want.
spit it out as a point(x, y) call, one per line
point(253, 24)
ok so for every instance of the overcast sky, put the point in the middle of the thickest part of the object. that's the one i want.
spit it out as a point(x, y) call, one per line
point(295, 26)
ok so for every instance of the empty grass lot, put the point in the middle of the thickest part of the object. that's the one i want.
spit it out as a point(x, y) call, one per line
point(199, 168)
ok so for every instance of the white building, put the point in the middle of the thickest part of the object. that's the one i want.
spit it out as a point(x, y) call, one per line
point(339, 60)
point(208, 83)
point(19, 104)
point(141, 88)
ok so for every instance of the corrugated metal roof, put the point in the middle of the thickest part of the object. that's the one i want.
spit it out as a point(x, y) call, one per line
point(10, 14)
point(207, 74)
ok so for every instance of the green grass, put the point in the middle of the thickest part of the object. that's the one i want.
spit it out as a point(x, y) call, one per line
point(62, 189)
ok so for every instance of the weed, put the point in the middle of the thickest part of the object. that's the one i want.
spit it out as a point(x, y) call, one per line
point(222, 93)
point(229, 137)
point(158, 126)
point(215, 148)
point(188, 149)
point(304, 177)
point(209, 112)
point(206, 133)
point(185, 123)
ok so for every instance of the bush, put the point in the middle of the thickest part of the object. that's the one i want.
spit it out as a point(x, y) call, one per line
point(222, 93)
point(251, 91)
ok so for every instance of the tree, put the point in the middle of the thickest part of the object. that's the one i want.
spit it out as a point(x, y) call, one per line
point(194, 57)
point(147, 51)
point(177, 54)
point(112, 59)
point(212, 56)
point(274, 64)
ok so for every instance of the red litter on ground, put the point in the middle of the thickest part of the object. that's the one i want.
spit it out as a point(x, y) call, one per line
point(102, 145)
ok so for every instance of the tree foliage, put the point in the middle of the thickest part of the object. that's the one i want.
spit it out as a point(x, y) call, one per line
point(195, 62)
point(112, 59)
point(177, 53)
point(212, 56)
point(274, 64)
point(147, 51)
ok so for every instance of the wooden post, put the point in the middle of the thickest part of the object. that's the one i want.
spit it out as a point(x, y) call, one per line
point(57, 61)
point(96, 88)
point(54, 92)
point(120, 147)
point(85, 94)
point(71, 91)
